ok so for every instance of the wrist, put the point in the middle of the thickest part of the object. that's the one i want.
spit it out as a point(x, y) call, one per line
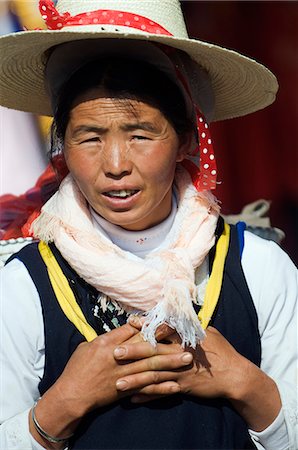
point(43, 433)
point(242, 379)
point(49, 418)
point(256, 398)
point(233, 384)
point(73, 405)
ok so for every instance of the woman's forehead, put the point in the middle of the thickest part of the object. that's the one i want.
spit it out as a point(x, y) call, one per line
point(94, 93)
point(98, 100)
point(100, 107)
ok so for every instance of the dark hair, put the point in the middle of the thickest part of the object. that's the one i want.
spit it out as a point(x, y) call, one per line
point(121, 79)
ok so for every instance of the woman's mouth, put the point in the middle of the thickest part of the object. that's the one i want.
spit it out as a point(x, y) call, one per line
point(123, 193)
point(122, 199)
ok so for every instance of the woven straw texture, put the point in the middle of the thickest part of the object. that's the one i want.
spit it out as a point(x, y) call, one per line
point(240, 84)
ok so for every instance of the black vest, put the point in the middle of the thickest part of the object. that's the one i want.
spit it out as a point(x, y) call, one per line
point(176, 422)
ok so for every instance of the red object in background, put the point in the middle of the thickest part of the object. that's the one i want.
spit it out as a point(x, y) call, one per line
point(16, 211)
point(257, 155)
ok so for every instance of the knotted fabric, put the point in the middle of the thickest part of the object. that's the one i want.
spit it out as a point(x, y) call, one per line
point(161, 286)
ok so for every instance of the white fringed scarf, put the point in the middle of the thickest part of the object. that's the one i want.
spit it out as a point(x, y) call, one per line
point(162, 285)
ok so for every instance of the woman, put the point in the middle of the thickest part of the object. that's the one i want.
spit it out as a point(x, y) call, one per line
point(133, 229)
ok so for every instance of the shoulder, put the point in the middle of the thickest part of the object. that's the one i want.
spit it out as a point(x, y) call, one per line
point(22, 338)
point(16, 270)
point(264, 256)
point(27, 252)
point(272, 279)
point(19, 298)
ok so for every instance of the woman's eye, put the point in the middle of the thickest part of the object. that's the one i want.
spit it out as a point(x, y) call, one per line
point(137, 137)
point(93, 139)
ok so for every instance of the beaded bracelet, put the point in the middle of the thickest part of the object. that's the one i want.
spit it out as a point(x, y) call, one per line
point(43, 433)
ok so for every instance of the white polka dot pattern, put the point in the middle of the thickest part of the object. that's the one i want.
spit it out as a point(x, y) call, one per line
point(203, 178)
point(56, 21)
point(207, 159)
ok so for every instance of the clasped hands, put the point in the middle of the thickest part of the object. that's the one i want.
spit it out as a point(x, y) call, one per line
point(214, 369)
point(120, 364)
point(171, 369)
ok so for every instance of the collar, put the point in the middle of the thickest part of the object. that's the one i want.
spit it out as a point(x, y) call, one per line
point(140, 243)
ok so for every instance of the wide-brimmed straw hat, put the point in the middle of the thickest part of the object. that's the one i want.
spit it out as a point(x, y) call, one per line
point(240, 85)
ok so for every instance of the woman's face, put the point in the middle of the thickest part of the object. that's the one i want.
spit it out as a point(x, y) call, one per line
point(123, 156)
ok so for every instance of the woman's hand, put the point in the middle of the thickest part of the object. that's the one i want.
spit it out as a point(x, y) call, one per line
point(90, 377)
point(215, 369)
point(218, 370)
point(86, 381)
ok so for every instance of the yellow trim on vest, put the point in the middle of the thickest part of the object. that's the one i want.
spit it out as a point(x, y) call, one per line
point(215, 281)
point(73, 312)
point(64, 294)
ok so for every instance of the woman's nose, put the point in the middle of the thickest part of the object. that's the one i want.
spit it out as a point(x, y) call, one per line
point(116, 160)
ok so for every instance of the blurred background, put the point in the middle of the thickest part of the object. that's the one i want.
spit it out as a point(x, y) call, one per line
point(256, 155)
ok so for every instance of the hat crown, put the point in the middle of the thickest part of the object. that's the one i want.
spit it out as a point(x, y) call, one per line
point(166, 13)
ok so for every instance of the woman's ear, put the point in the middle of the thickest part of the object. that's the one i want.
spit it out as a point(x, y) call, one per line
point(186, 145)
point(59, 166)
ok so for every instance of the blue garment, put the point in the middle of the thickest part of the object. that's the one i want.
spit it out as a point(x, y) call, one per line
point(175, 422)
point(241, 227)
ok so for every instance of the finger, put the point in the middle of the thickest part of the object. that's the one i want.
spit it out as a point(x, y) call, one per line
point(159, 390)
point(174, 338)
point(161, 362)
point(163, 332)
point(142, 380)
point(152, 370)
point(118, 335)
point(161, 336)
point(140, 350)
point(135, 321)
point(136, 338)
point(156, 391)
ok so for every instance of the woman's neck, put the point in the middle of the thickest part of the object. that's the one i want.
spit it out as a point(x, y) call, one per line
point(140, 243)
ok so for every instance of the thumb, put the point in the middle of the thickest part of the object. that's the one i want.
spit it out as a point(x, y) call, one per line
point(162, 332)
point(121, 334)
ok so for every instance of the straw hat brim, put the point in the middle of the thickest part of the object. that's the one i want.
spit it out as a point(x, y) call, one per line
point(240, 84)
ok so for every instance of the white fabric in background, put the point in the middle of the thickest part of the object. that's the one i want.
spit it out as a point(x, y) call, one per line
point(22, 157)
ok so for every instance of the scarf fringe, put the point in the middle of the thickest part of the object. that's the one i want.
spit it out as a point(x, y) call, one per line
point(178, 296)
point(186, 325)
point(44, 227)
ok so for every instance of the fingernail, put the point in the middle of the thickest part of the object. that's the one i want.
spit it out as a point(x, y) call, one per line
point(121, 385)
point(187, 358)
point(119, 352)
point(134, 320)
